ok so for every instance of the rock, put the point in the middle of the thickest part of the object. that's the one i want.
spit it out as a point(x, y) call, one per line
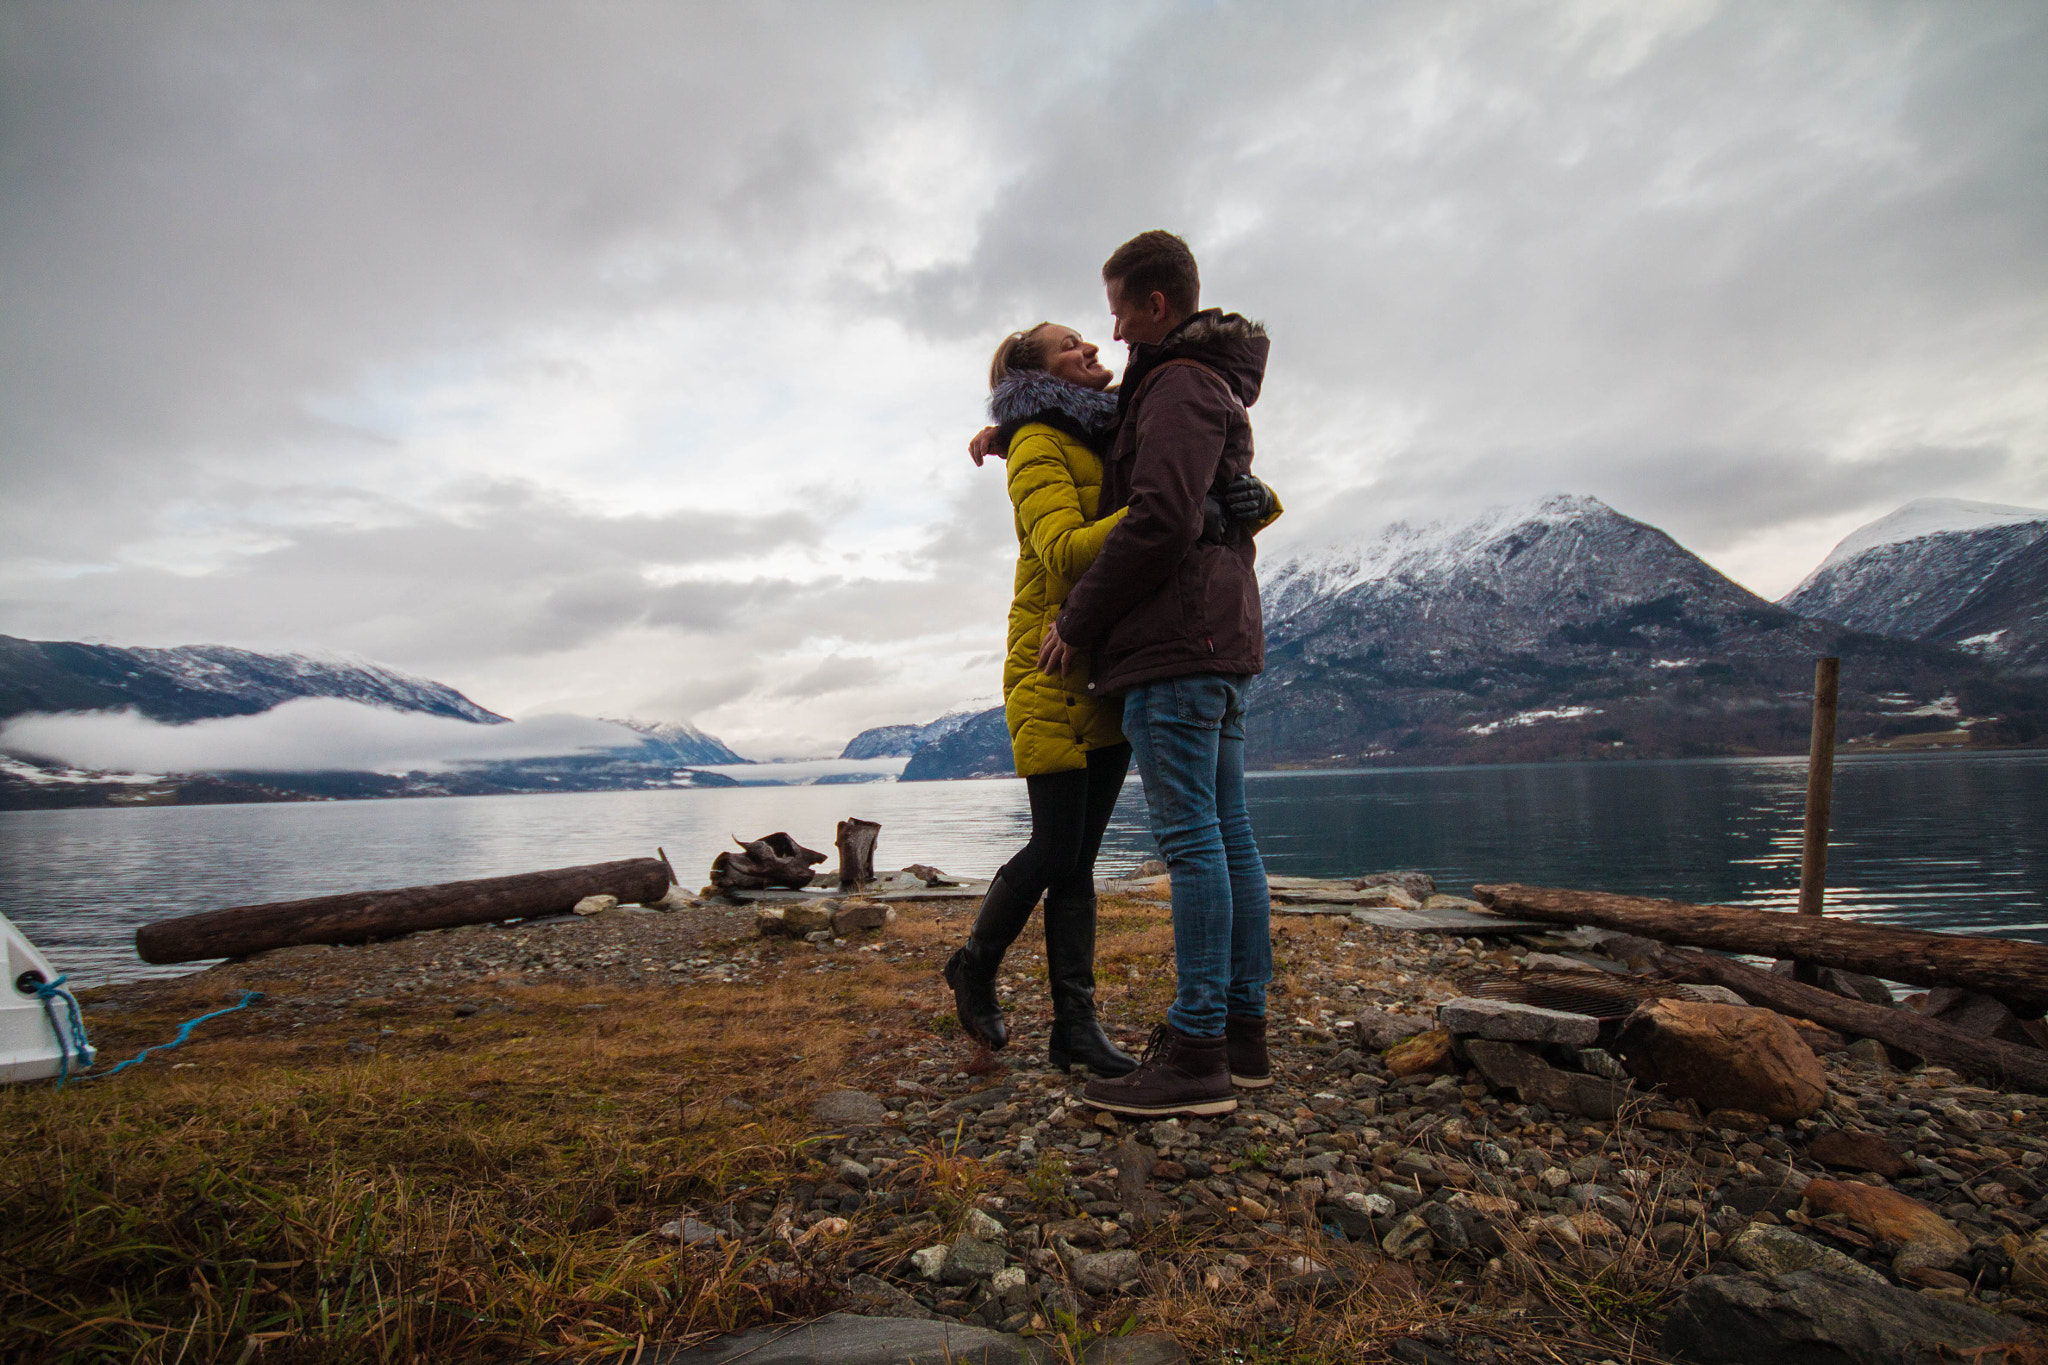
point(1410, 1239)
point(1871, 1053)
point(848, 1108)
point(1854, 985)
point(1724, 1057)
point(857, 916)
point(1010, 1283)
point(1535, 1081)
point(971, 1259)
point(1151, 867)
point(1717, 995)
point(847, 1339)
point(1806, 1316)
point(805, 918)
point(1507, 1021)
point(1853, 1151)
point(1380, 1030)
point(1771, 1251)
point(873, 1297)
point(851, 1173)
point(2029, 1267)
point(930, 1261)
point(1916, 1256)
point(1884, 1213)
point(595, 905)
point(689, 1232)
point(1444, 1227)
point(1552, 962)
point(1105, 1272)
point(1419, 885)
point(1429, 1051)
point(1737, 1120)
point(929, 875)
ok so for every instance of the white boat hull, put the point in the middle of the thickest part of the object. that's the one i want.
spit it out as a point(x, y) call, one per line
point(30, 1049)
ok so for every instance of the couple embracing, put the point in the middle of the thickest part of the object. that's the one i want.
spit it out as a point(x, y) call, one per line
point(1134, 631)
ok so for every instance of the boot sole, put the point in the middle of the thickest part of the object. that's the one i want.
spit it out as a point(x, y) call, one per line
point(1200, 1108)
point(1250, 1082)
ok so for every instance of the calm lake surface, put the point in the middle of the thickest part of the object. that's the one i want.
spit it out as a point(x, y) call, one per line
point(1938, 841)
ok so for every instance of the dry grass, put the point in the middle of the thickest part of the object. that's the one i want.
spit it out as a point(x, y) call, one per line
point(451, 1197)
point(488, 1188)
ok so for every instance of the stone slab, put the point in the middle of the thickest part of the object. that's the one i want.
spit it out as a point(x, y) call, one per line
point(844, 1339)
point(1448, 920)
point(1508, 1021)
point(968, 889)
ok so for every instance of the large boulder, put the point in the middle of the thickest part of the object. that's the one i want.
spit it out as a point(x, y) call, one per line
point(1723, 1057)
point(1816, 1317)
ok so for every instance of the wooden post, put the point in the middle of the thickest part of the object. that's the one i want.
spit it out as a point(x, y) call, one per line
point(1820, 801)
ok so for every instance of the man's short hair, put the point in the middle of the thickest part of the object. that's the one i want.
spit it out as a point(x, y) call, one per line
point(1156, 262)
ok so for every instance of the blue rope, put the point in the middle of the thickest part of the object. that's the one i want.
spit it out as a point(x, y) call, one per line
point(50, 992)
point(184, 1032)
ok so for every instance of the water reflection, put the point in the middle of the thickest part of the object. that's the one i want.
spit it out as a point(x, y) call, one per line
point(1943, 842)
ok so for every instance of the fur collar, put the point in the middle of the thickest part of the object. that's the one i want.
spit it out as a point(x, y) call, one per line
point(1088, 415)
point(1211, 327)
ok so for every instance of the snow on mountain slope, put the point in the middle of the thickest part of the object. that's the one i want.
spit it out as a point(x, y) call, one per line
point(901, 741)
point(1930, 517)
point(2005, 621)
point(682, 741)
point(1556, 629)
point(1905, 573)
point(200, 682)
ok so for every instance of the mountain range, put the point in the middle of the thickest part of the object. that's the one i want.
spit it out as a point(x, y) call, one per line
point(204, 682)
point(1972, 575)
point(212, 682)
point(901, 741)
point(1562, 629)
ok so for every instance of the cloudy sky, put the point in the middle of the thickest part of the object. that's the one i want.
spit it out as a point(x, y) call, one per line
point(618, 358)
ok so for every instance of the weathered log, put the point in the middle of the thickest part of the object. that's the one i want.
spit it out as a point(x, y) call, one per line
point(2008, 969)
point(857, 852)
point(2024, 1068)
point(359, 916)
point(774, 860)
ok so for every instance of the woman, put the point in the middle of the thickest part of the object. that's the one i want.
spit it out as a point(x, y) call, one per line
point(1051, 400)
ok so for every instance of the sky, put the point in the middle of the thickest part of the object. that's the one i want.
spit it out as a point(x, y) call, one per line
point(619, 359)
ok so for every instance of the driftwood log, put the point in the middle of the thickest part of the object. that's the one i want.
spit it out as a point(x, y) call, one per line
point(2024, 1068)
point(360, 916)
point(2006, 969)
point(775, 860)
point(857, 852)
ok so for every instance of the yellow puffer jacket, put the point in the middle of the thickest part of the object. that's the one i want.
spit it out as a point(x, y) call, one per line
point(1055, 482)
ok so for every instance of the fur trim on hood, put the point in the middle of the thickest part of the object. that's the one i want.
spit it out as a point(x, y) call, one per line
point(1211, 328)
point(1087, 415)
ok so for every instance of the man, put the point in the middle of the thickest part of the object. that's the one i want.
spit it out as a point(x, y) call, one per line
point(1172, 618)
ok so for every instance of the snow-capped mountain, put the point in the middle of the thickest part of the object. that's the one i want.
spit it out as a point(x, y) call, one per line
point(680, 742)
point(1906, 574)
point(1554, 629)
point(202, 682)
point(901, 741)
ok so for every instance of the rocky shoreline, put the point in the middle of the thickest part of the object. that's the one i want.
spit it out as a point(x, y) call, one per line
point(1500, 1189)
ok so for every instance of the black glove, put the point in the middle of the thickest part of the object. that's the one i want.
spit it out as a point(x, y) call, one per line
point(1214, 525)
point(1248, 500)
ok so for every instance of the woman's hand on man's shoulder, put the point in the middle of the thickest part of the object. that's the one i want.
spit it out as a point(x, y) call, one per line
point(984, 445)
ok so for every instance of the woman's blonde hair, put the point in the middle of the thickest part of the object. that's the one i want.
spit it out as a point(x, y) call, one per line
point(1023, 350)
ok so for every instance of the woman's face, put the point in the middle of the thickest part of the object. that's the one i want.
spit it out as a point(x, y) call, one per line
point(1072, 359)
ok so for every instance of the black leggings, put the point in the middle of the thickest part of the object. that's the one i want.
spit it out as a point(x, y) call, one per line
point(1069, 812)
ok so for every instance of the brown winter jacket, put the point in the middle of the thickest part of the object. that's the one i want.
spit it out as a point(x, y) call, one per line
point(1158, 602)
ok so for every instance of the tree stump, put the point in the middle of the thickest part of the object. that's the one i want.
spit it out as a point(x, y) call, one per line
point(857, 852)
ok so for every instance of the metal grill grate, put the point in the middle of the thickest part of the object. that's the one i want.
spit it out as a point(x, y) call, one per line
point(1602, 996)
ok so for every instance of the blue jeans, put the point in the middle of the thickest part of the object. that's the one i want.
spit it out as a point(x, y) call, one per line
point(1188, 736)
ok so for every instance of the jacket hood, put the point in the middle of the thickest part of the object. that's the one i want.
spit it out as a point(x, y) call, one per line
point(1229, 343)
point(1088, 415)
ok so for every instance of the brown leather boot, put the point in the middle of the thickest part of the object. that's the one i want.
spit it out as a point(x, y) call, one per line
point(1180, 1074)
point(1244, 1041)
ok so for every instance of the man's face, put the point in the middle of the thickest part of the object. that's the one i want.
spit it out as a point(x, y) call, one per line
point(1138, 321)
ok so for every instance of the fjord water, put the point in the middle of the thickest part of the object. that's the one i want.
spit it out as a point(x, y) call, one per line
point(1950, 842)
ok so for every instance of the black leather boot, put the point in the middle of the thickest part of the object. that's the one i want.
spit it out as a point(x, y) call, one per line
point(971, 971)
point(1070, 966)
